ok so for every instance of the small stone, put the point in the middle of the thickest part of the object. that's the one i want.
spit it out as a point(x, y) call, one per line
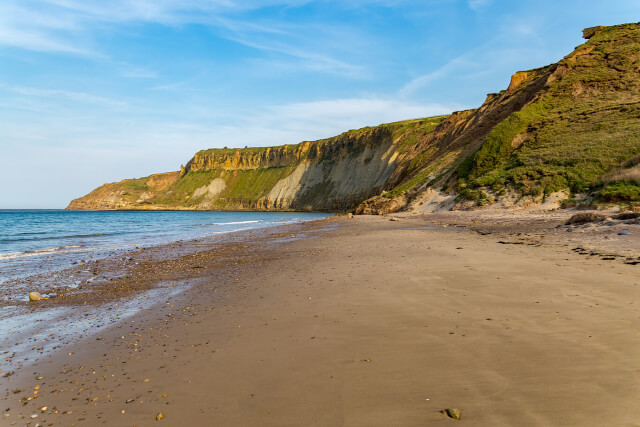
point(159, 416)
point(350, 215)
point(394, 219)
point(35, 296)
point(623, 233)
point(453, 413)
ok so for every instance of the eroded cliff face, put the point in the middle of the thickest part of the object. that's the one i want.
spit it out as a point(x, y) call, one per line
point(328, 175)
point(567, 128)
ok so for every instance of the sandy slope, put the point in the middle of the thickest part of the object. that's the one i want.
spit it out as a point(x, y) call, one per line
point(375, 323)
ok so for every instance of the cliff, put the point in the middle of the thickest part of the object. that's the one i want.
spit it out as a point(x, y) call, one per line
point(570, 128)
point(333, 174)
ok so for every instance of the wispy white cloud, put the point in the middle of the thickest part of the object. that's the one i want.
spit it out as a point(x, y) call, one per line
point(69, 95)
point(423, 81)
point(308, 59)
point(72, 26)
point(503, 52)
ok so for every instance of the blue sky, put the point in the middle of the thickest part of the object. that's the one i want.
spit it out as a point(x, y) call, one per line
point(98, 91)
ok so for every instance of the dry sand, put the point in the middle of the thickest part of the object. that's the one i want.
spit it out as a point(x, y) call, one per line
point(370, 323)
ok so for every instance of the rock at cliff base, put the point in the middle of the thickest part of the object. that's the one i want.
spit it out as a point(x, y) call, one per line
point(584, 218)
point(453, 413)
point(627, 215)
point(35, 296)
point(349, 215)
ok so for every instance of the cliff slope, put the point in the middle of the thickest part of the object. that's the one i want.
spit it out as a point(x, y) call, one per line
point(571, 127)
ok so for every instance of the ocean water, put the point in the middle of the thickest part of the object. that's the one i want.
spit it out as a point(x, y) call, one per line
point(39, 241)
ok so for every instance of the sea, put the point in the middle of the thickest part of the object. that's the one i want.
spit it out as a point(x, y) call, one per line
point(39, 246)
point(43, 241)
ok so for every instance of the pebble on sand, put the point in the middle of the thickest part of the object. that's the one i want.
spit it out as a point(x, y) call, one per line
point(35, 296)
point(453, 413)
point(159, 416)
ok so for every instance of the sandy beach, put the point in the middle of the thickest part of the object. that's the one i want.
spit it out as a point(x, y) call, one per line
point(358, 322)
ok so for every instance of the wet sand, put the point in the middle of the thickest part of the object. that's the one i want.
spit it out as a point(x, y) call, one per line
point(361, 322)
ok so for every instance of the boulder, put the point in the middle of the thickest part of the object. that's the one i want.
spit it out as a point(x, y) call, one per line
point(627, 215)
point(35, 296)
point(584, 218)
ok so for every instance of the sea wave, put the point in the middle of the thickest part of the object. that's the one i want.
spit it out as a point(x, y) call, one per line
point(36, 252)
point(236, 222)
point(70, 236)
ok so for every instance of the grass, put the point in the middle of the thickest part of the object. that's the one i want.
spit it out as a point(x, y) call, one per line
point(180, 192)
point(253, 184)
point(136, 185)
point(585, 126)
point(409, 132)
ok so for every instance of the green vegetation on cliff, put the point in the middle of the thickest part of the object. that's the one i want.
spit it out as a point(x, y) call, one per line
point(583, 125)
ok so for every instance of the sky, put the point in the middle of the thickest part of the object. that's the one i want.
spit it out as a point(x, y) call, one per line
point(95, 91)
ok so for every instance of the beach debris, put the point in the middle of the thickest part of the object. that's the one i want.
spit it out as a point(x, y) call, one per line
point(350, 215)
point(453, 413)
point(623, 233)
point(35, 296)
point(393, 218)
point(159, 416)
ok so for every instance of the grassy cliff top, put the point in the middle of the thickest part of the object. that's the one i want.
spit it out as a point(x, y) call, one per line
point(394, 127)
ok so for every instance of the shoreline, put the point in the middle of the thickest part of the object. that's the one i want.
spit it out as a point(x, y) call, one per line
point(80, 265)
point(365, 322)
point(124, 285)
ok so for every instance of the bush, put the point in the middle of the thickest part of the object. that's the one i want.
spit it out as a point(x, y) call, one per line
point(621, 191)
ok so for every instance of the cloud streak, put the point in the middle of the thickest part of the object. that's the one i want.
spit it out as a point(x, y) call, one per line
point(69, 95)
point(72, 27)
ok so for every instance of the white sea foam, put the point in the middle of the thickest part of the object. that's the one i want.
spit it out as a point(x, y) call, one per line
point(236, 222)
point(36, 252)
